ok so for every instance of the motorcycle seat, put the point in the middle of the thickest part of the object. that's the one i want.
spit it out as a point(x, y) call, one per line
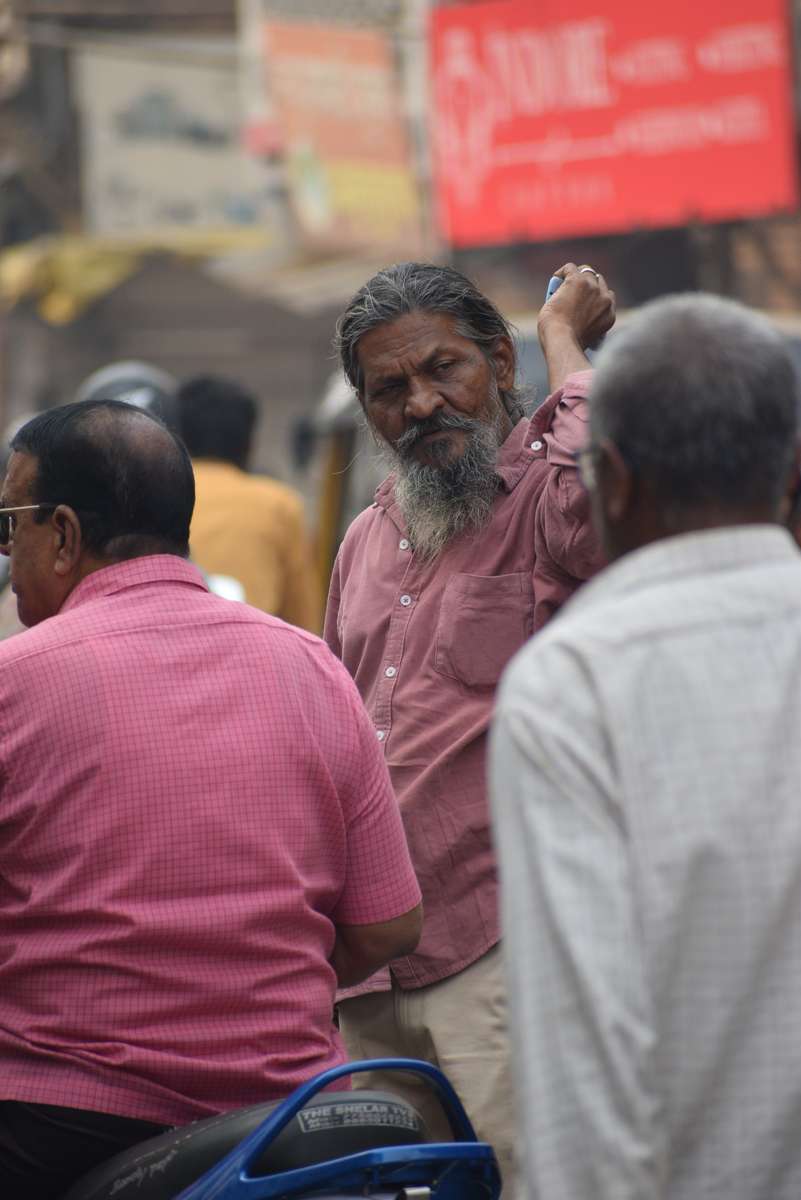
point(330, 1125)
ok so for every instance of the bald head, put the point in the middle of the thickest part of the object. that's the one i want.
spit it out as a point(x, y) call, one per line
point(124, 473)
point(700, 396)
point(694, 422)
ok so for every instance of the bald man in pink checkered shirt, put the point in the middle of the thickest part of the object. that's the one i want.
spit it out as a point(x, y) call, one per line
point(198, 838)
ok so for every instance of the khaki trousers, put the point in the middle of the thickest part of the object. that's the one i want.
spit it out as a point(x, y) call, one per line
point(459, 1025)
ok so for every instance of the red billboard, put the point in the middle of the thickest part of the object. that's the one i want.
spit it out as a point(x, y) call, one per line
point(594, 116)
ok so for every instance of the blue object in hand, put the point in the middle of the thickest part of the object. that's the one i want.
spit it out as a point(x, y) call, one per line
point(554, 282)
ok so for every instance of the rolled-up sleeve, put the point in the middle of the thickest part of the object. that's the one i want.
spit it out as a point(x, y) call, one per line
point(567, 549)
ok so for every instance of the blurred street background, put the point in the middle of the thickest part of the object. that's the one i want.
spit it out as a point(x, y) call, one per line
point(203, 184)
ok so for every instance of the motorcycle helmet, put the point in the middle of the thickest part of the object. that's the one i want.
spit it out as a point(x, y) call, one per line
point(137, 383)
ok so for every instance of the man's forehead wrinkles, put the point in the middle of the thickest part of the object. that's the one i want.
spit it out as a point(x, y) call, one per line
point(389, 366)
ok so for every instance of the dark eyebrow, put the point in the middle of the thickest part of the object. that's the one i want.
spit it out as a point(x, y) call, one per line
point(430, 360)
point(440, 352)
point(385, 381)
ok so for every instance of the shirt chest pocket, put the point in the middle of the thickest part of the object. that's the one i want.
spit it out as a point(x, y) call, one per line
point(483, 621)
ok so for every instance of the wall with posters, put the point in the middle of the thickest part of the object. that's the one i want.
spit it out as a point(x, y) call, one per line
point(337, 99)
point(599, 116)
point(161, 143)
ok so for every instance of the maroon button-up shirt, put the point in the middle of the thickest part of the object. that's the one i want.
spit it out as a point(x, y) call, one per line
point(426, 643)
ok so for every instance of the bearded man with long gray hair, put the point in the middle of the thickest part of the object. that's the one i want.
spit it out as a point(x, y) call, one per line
point(477, 536)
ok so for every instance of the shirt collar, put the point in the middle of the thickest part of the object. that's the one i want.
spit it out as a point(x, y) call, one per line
point(520, 449)
point(688, 554)
point(151, 568)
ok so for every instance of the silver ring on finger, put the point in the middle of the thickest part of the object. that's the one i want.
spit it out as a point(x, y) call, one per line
point(591, 270)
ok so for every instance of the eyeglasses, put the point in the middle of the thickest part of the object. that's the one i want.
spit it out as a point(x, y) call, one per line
point(8, 520)
point(585, 463)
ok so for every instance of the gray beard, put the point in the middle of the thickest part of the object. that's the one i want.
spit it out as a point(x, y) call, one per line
point(440, 503)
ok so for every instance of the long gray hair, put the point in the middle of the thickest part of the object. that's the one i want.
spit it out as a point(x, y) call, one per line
point(423, 287)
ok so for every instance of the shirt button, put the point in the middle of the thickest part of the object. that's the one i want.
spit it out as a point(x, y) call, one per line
point(536, 445)
point(405, 601)
point(380, 734)
point(403, 544)
point(391, 672)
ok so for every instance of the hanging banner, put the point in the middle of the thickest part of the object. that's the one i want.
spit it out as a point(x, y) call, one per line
point(337, 97)
point(579, 117)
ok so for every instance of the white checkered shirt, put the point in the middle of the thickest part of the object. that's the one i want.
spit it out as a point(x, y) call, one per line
point(646, 787)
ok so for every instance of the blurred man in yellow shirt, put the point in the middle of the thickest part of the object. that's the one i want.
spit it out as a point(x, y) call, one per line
point(249, 528)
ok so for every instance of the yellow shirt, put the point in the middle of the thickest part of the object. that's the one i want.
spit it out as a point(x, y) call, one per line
point(253, 529)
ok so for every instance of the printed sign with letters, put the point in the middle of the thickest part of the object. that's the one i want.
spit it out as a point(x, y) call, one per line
point(588, 117)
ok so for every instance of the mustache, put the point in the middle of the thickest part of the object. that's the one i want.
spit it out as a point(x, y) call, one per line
point(437, 423)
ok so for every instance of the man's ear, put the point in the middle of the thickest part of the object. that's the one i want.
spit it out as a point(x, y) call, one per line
point(67, 539)
point(615, 482)
point(504, 361)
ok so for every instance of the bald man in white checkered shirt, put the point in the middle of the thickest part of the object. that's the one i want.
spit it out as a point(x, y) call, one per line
point(646, 789)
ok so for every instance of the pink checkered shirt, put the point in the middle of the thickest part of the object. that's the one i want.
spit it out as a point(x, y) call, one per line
point(191, 795)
